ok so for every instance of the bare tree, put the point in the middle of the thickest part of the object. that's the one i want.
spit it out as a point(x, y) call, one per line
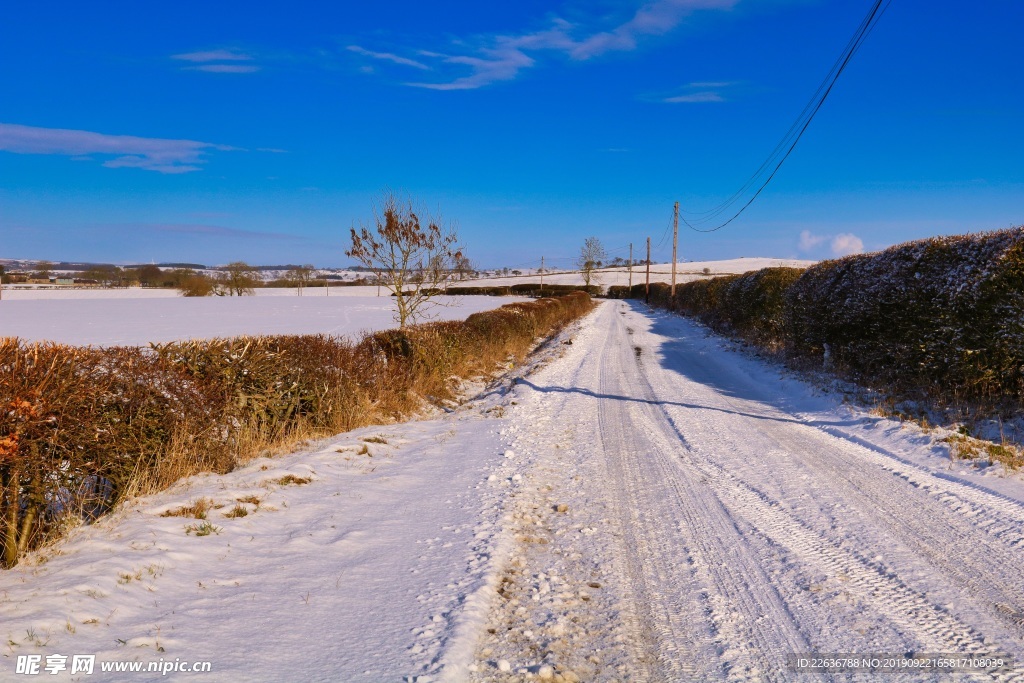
point(592, 254)
point(301, 276)
point(396, 247)
point(239, 278)
point(44, 269)
point(463, 266)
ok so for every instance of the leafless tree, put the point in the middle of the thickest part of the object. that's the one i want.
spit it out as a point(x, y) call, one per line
point(301, 276)
point(592, 254)
point(239, 278)
point(464, 267)
point(396, 247)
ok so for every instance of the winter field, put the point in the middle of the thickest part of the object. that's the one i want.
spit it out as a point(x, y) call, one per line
point(645, 503)
point(135, 317)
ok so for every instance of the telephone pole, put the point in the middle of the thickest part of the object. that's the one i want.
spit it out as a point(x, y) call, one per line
point(647, 286)
point(675, 244)
point(631, 265)
point(542, 274)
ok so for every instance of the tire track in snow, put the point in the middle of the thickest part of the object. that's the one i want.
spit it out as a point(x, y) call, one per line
point(935, 626)
point(936, 521)
point(725, 512)
point(720, 614)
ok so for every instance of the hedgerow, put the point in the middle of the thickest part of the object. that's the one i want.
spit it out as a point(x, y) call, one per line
point(942, 316)
point(940, 319)
point(83, 427)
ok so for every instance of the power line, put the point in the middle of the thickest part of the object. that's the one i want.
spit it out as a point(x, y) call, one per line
point(800, 125)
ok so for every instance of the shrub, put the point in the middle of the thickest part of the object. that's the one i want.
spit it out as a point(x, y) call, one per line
point(936, 316)
point(940, 319)
point(83, 427)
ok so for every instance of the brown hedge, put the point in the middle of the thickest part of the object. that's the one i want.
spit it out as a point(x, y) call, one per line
point(82, 427)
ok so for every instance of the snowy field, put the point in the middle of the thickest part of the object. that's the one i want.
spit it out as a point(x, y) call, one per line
point(136, 316)
point(646, 503)
point(123, 319)
point(660, 272)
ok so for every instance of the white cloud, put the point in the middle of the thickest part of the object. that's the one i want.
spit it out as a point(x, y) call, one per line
point(225, 68)
point(214, 56)
point(496, 64)
point(151, 154)
point(847, 243)
point(843, 244)
point(809, 241)
point(652, 19)
point(213, 59)
point(703, 91)
point(503, 57)
point(388, 57)
point(707, 96)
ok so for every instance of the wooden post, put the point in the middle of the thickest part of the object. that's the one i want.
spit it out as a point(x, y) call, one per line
point(675, 244)
point(647, 286)
point(542, 275)
point(631, 265)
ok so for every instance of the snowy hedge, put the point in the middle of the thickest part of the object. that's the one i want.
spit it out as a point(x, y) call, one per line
point(82, 427)
point(941, 318)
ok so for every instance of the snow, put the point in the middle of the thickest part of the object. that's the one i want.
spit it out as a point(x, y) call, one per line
point(660, 272)
point(49, 292)
point(643, 501)
point(134, 321)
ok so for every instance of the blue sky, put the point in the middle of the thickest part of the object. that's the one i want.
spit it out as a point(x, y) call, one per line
point(210, 132)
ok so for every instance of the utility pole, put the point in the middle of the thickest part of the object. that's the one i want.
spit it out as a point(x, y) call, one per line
point(631, 265)
point(647, 286)
point(542, 274)
point(675, 244)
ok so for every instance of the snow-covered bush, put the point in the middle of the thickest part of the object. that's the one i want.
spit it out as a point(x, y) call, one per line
point(752, 305)
point(942, 317)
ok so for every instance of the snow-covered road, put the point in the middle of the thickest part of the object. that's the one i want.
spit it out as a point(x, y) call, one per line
point(644, 504)
point(737, 525)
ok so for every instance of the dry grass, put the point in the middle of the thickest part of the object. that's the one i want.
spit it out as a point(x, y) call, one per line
point(290, 480)
point(237, 511)
point(197, 509)
point(963, 447)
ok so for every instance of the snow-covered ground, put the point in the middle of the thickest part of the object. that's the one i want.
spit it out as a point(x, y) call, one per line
point(660, 272)
point(133, 321)
point(645, 503)
point(51, 292)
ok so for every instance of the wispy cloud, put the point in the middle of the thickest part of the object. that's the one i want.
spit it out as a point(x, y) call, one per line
point(843, 244)
point(387, 57)
point(214, 56)
point(701, 91)
point(706, 96)
point(503, 57)
point(128, 151)
point(225, 68)
point(213, 61)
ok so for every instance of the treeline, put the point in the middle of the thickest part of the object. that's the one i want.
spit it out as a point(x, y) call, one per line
point(524, 289)
point(82, 428)
point(940, 319)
